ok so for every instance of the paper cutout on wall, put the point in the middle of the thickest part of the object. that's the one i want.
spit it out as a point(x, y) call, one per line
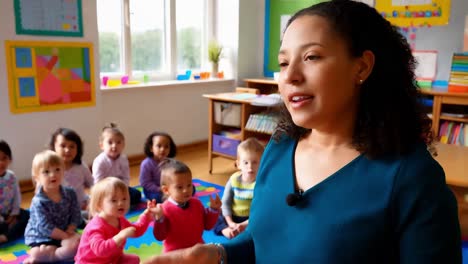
point(415, 13)
point(49, 17)
point(46, 76)
point(368, 2)
point(410, 2)
point(427, 64)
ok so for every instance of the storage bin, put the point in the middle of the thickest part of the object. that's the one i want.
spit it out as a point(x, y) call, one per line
point(228, 114)
point(225, 145)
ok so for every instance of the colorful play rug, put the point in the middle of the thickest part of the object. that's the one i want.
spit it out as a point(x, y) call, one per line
point(145, 246)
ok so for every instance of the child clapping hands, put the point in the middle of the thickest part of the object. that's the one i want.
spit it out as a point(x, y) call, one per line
point(181, 219)
point(104, 237)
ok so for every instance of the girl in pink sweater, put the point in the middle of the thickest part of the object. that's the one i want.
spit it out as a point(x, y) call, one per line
point(182, 218)
point(104, 237)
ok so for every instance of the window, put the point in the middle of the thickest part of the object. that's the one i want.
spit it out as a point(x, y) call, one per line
point(189, 25)
point(158, 38)
point(110, 36)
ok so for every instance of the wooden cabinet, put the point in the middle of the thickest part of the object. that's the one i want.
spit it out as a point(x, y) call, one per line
point(453, 158)
point(265, 85)
point(442, 99)
point(224, 146)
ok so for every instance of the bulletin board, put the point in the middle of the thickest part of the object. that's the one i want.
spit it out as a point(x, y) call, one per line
point(277, 13)
point(415, 13)
point(47, 76)
point(49, 17)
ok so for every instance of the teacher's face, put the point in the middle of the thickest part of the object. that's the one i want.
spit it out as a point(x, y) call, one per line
point(318, 76)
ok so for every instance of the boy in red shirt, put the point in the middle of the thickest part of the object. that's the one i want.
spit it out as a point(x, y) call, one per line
point(181, 220)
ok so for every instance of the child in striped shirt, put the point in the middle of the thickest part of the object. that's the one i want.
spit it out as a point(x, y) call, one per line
point(238, 193)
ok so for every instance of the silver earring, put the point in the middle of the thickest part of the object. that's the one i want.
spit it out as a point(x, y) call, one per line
point(361, 81)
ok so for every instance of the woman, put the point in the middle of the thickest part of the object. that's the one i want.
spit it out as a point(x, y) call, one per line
point(350, 154)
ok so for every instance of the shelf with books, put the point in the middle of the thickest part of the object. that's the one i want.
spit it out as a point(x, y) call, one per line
point(456, 119)
point(454, 133)
point(262, 122)
point(229, 115)
point(448, 107)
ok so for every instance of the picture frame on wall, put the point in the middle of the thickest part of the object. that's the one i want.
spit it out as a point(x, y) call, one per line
point(49, 75)
point(49, 17)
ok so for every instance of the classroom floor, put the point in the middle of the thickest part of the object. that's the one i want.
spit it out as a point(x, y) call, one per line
point(197, 160)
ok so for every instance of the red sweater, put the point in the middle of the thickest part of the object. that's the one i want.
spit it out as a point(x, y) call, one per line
point(183, 228)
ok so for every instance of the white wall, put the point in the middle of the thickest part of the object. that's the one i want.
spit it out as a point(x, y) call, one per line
point(28, 133)
point(181, 111)
point(445, 39)
point(251, 39)
point(178, 109)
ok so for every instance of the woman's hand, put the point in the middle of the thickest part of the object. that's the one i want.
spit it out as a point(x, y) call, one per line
point(200, 254)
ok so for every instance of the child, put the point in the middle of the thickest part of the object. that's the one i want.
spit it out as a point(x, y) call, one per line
point(68, 145)
point(105, 235)
point(182, 218)
point(13, 219)
point(111, 162)
point(158, 146)
point(238, 193)
point(55, 213)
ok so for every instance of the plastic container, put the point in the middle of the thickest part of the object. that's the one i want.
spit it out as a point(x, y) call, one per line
point(224, 145)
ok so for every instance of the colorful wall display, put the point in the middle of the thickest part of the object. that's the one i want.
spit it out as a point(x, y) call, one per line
point(49, 17)
point(277, 13)
point(415, 13)
point(46, 76)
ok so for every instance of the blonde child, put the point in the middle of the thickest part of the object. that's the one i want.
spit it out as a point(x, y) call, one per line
point(112, 162)
point(13, 219)
point(181, 219)
point(105, 235)
point(238, 193)
point(55, 212)
point(68, 145)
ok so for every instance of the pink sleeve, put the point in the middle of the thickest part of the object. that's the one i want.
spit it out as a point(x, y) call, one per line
point(142, 224)
point(101, 246)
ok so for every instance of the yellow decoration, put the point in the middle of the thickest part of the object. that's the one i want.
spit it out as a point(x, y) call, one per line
point(49, 75)
point(434, 13)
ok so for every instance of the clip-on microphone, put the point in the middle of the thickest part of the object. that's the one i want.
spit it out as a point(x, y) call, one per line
point(293, 199)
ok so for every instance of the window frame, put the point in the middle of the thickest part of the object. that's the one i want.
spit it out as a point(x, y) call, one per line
point(170, 41)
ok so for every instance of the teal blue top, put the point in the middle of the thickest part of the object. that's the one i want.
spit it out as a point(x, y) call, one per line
point(389, 210)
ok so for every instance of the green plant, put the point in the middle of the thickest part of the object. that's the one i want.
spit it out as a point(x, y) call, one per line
point(214, 51)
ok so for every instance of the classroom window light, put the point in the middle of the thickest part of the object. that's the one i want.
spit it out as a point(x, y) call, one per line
point(110, 37)
point(152, 38)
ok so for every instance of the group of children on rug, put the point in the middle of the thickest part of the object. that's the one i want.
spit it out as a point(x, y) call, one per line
point(60, 204)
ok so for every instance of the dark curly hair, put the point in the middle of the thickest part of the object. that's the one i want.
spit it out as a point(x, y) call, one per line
point(5, 148)
point(390, 118)
point(70, 135)
point(149, 144)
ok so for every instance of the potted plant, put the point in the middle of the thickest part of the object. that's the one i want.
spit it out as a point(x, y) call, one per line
point(214, 55)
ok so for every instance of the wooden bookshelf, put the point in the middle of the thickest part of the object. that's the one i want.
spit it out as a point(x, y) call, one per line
point(214, 128)
point(454, 159)
point(265, 85)
point(445, 98)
